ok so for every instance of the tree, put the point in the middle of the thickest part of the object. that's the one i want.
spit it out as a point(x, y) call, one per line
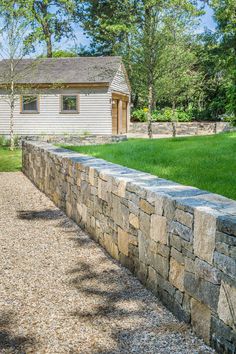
point(50, 20)
point(13, 48)
point(62, 54)
point(225, 16)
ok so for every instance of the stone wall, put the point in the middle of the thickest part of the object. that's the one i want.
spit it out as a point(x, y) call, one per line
point(178, 240)
point(188, 128)
point(70, 139)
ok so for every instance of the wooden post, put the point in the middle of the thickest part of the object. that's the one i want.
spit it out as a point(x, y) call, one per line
point(120, 116)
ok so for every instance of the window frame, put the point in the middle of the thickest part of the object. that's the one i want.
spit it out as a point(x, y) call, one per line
point(77, 103)
point(22, 111)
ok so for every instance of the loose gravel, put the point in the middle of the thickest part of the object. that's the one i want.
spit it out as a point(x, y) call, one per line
point(61, 293)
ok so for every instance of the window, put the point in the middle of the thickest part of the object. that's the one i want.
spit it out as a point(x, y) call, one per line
point(69, 104)
point(30, 104)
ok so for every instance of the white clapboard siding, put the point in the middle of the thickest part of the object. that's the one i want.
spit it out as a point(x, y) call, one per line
point(119, 83)
point(94, 116)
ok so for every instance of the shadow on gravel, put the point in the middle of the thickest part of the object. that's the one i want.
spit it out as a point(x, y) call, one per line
point(9, 343)
point(47, 214)
point(119, 308)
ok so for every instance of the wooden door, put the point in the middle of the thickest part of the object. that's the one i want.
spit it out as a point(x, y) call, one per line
point(124, 117)
point(115, 116)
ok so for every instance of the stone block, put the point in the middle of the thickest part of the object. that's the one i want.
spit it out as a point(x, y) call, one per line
point(121, 188)
point(123, 241)
point(110, 246)
point(179, 296)
point(144, 222)
point(202, 290)
point(143, 248)
point(160, 264)
point(119, 213)
point(142, 272)
point(159, 205)
point(182, 231)
point(176, 275)
point(92, 176)
point(158, 230)
point(227, 304)
point(152, 279)
point(133, 208)
point(175, 241)
point(207, 272)
point(178, 256)
point(223, 337)
point(163, 250)
point(201, 319)
point(169, 206)
point(227, 224)
point(133, 240)
point(134, 221)
point(146, 207)
point(225, 238)
point(223, 248)
point(190, 265)
point(226, 264)
point(204, 234)
point(184, 218)
point(127, 262)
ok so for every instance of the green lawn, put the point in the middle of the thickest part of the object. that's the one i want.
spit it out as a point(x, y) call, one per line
point(206, 162)
point(10, 161)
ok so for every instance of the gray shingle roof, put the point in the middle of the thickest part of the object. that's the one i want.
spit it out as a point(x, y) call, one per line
point(62, 70)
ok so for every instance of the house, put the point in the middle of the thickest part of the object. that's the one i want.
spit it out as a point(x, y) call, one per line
point(66, 95)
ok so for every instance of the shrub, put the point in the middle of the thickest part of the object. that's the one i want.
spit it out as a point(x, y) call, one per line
point(229, 118)
point(3, 140)
point(158, 116)
point(183, 116)
point(170, 115)
point(164, 115)
point(139, 115)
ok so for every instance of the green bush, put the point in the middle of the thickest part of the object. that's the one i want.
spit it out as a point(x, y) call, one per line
point(158, 116)
point(229, 118)
point(170, 115)
point(6, 142)
point(3, 140)
point(164, 115)
point(183, 116)
point(139, 115)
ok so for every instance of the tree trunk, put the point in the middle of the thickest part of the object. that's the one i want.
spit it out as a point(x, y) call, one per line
point(49, 46)
point(12, 107)
point(150, 102)
point(173, 121)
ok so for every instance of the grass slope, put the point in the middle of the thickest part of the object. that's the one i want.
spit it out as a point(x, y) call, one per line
point(206, 162)
point(10, 161)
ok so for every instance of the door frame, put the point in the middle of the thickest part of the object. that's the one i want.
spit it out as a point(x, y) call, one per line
point(120, 98)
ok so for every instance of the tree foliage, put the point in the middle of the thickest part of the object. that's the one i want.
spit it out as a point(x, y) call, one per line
point(51, 20)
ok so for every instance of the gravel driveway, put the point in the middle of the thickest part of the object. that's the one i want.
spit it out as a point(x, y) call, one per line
point(61, 293)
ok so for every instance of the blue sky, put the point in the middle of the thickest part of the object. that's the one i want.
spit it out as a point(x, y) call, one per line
point(207, 21)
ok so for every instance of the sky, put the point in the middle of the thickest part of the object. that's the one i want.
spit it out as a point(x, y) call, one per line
point(207, 19)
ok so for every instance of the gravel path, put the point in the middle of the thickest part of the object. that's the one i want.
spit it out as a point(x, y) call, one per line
point(61, 293)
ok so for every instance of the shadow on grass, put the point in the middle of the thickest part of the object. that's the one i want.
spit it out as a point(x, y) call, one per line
point(10, 343)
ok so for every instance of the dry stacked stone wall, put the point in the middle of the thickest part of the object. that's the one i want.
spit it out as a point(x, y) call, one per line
point(179, 241)
point(74, 139)
point(188, 128)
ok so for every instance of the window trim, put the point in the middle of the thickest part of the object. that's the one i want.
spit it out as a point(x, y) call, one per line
point(22, 111)
point(77, 103)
